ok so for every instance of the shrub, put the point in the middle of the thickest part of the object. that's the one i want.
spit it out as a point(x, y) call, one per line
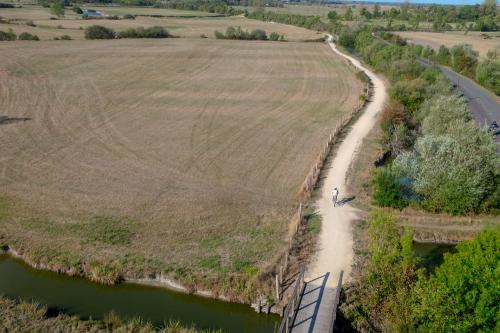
point(99, 32)
point(410, 93)
point(30, 23)
point(333, 16)
point(6, 5)
point(388, 191)
point(238, 33)
point(129, 17)
point(464, 59)
point(27, 36)
point(492, 203)
point(427, 52)
point(258, 34)
point(57, 8)
point(407, 69)
point(274, 36)
point(443, 56)
point(347, 39)
point(488, 75)
point(7, 36)
point(65, 37)
point(153, 32)
point(77, 9)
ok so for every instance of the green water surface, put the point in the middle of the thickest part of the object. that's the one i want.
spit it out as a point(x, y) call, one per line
point(78, 296)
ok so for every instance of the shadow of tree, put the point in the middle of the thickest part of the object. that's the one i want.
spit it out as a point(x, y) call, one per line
point(5, 120)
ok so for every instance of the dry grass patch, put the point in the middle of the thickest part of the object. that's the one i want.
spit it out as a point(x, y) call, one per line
point(150, 155)
point(452, 38)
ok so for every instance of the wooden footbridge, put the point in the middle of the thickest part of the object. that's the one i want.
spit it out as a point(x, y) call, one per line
point(313, 305)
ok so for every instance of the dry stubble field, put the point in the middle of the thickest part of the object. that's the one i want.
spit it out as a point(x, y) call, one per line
point(180, 155)
point(452, 38)
point(180, 23)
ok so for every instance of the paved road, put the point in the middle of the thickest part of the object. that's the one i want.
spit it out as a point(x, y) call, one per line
point(483, 105)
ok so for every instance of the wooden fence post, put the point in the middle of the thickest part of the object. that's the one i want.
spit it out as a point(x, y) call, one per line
point(277, 289)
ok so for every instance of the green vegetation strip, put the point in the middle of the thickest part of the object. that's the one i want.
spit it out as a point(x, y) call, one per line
point(441, 160)
point(20, 316)
point(395, 294)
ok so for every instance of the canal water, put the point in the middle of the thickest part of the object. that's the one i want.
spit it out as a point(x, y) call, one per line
point(431, 254)
point(78, 296)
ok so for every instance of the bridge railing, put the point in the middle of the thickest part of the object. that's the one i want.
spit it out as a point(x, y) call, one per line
point(336, 302)
point(293, 305)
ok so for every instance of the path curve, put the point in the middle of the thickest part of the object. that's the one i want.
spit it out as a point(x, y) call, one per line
point(335, 252)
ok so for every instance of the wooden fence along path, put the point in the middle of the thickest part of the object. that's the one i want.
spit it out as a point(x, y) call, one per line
point(307, 189)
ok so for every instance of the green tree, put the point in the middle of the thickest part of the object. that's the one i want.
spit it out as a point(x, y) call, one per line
point(77, 9)
point(443, 56)
point(333, 16)
point(348, 15)
point(488, 7)
point(388, 191)
point(57, 8)
point(376, 11)
point(99, 32)
point(410, 93)
point(464, 59)
point(347, 39)
point(463, 293)
point(453, 165)
point(384, 296)
point(488, 75)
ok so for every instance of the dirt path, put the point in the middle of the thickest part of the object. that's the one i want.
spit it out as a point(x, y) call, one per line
point(335, 244)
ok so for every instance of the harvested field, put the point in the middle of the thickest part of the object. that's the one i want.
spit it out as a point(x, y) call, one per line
point(181, 155)
point(317, 9)
point(147, 11)
point(73, 25)
point(452, 38)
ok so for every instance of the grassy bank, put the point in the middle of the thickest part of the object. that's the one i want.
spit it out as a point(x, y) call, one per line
point(22, 316)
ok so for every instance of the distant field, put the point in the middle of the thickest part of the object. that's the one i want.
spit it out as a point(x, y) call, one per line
point(118, 10)
point(73, 25)
point(182, 155)
point(449, 39)
point(316, 10)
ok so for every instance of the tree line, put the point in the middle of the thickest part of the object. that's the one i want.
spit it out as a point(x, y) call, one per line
point(100, 32)
point(482, 17)
point(441, 160)
point(304, 21)
point(257, 34)
point(397, 293)
point(465, 60)
point(211, 6)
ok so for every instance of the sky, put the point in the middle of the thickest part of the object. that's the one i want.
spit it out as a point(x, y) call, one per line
point(443, 2)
